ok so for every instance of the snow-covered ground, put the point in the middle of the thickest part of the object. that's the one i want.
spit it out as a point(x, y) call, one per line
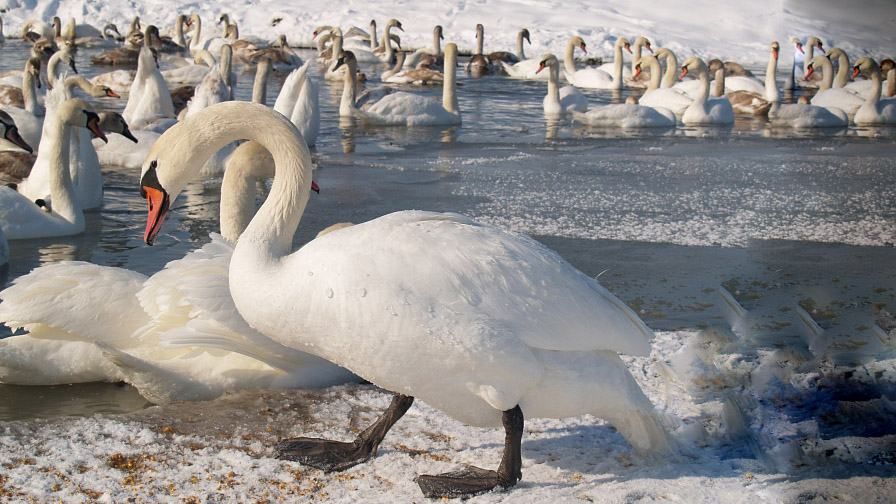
point(709, 28)
point(737, 445)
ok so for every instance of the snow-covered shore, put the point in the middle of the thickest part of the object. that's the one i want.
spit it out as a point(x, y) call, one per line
point(731, 30)
point(736, 447)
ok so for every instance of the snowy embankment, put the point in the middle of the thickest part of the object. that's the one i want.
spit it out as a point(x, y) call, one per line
point(745, 436)
point(731, 30)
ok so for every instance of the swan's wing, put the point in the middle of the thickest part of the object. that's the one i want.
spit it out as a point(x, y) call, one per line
point(77, 301)
point(354, 31)
point(306, 113)
point(444, 273)
point(289, 93)
point(372, 96)
point(29, 361)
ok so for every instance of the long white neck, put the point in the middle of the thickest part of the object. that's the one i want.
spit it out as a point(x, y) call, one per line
point(436, 43)
point(62, 190)
point(449, 95)
point(388, 41)
point(636, 55)
point(347, 103)
point(226, 65)
point(53, 70)
point(703, 77)
point(670, 77)
point(260, 86)
point(617, 67)
point(29, 94)
point(519, 46)
point(771, 86)
point(569, 62)
point(76, 81)
point(810, 54)
point(479, 42)
point(843, 70)
point(654, 65)
point(197, 34)
point(374, 43)
point(874, 97)
point(336, 46)
point(827, 74)
point(552, 100)
point(891, 82)
point(246, 166)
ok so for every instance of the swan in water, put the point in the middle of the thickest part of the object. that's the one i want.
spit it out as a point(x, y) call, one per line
point(479, 64)
point(174, 335)
point(873, 111)
point(20, 217)
point(15, 153)
point(594, 78)
point(279, 53)
point(559, 101)
point(149, 99)
point(627, 115)
point(748, 102)
point(828, 96)
point(398, 75)
point(499, 350)
point(216, 87)
point(669, 98)
point(29, 118)
point(401, 108)
point(705, 111)
point(864, 87)
point(631, 79)
point(738, 81)
point(429, 57)
point(528, 69)
point(298, 101)
point(497, 57)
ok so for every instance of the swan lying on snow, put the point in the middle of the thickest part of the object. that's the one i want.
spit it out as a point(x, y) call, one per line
point(526, 333)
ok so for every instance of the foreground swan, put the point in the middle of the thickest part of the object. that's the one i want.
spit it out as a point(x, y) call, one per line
point(501, 327)
point(705, 111)
point(400, 108)
point(20, 217)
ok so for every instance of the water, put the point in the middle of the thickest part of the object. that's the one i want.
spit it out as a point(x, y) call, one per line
point(663, 218)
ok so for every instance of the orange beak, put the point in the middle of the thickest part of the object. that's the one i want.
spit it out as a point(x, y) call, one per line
point(628, 47)
point(810, 71)
point(775, 54)
point(582, 47)
point(855, 72)
point(684, 72)
point(315, 187)
point(93, 124)
point(112, 94)
point(158, 209)
point(540, 67)
point(637, 72)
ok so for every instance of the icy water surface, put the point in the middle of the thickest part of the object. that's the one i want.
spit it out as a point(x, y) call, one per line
point(782, 219)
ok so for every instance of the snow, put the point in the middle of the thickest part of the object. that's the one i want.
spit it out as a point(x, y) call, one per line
point(737, 444)
point(707, 28)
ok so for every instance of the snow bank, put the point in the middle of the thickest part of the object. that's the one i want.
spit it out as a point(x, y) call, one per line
point(731, 30)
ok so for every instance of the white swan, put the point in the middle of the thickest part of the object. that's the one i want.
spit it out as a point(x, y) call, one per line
point(631, 79)
point(29, 119)
point(149, 99)
point(559, 101)
point(476, 340)
point(331, 72)
point(20, 217)
point(298, 101)
point(828, 96)
point(388, 56)
point(594, 78)
point(174, 335)
point(428, 56)
point(15, 153)
point(401, 108)
point(747, 102)
point(627, 115)
point(216, 87)
point(212, 44)
point(398, 75)
point(873, 111)
point(705, 111)
point(803, 115)
point(669, 98)
point(864, 87)
point(528, 69)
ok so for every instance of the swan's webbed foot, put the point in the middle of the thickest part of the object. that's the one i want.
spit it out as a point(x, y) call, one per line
point(473, 480)
point(338, 456)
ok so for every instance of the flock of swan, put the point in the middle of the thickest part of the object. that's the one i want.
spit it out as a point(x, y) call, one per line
point(486, 325)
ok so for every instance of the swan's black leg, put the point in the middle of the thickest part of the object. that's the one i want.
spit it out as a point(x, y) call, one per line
point(338, 456)
point(473, 480)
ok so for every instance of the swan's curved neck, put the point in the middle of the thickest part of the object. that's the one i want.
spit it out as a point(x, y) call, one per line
point(62, 189)
point(260, 86)
point(374, 43)
point(449, 95)
point(771, 86)
point(654, 65)
point(569, 61)
point(179, 32)
point(843, 69)
point(53, 67)
point(810, 54)
point(226, 65)
point(874, 97)
point(387, 39)
point(436, 43)
point(718, 88)
point(617, 66)
point(29, 93)
point(703, 77)
point(670, 77)
point(827, 74)
point(197, 33)
point(636, 55)
point(891, 82)
point(520, 53)
point(76, 81)
point(554, 86)
point(248, 165)
point(336, 46)
point(347, 103)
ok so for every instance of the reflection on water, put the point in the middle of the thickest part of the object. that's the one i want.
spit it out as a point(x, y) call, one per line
point(18, 402)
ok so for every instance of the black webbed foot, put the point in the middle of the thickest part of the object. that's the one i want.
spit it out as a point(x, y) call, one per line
point(323, 454)
point(466, 482)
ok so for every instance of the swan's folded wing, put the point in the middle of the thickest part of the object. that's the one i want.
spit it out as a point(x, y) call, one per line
point(77, 301)
point(442, 273)
point(289, 93)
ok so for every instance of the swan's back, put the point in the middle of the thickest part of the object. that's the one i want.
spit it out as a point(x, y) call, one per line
point(409, 108)
point(628, 116)
point(433, 275)
point(799, 115)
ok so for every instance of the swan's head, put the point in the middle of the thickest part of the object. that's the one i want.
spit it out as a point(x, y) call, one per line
point(817, 61)
point(797, 45)
point(152, 37)
point(643, 42)
point(224, 19)
point(33, 69)
point(776, 49)
point(579, 42)
point(194, 20)
point(547, 61)
point(436, 31)
point(525, 34)
point(348, 59)
point(865, 66)
point(714, 65)
point(11, 132)
point(113, 122)
point(76, 112)
point(816, 43)
point(624, 43)
point(887, 65)
point(479, 29)
point(111, 31)
point(57, 23)
point(644, 61)
point(394, 23)
point(693, 64)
